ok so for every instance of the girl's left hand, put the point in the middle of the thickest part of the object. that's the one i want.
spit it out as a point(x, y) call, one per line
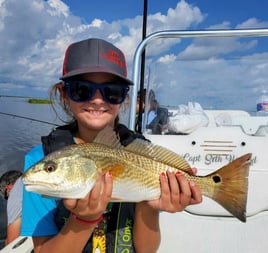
point(176, 193)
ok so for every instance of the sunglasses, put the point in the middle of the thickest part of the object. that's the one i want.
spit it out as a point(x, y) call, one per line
point(82, 91)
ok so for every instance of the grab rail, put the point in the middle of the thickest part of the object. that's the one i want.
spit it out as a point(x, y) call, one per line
point(179, 34)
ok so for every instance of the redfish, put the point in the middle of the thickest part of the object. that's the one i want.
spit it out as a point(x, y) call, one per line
point(71, 172)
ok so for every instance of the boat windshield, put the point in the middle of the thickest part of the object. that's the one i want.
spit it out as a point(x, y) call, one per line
point(207, 74)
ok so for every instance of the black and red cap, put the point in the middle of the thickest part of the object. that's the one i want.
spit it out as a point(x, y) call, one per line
point(94, 56)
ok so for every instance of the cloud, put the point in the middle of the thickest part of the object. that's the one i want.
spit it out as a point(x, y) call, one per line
point(205, 47)
point(216, 81)
point(35, 33)
point(58, 8)
point(252, 23)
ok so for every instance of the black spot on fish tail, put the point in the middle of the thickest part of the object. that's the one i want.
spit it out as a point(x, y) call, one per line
point(216, 179)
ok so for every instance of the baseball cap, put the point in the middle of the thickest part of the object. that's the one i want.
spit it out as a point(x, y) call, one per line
point(94, 56)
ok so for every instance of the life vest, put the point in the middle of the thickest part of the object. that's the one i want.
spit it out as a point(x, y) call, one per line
point(119, 217)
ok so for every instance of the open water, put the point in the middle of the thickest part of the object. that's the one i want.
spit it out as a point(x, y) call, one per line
point(18, 136)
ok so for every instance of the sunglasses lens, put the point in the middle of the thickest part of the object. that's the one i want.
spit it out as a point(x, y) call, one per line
point(80, 91)
point(114, 94)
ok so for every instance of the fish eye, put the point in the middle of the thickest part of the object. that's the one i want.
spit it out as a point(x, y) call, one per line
point(50, 167)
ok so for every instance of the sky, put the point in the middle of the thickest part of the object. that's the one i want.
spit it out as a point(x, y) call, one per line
point(35, 33)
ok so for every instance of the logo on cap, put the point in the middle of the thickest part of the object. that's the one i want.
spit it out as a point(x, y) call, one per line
point(114, 57)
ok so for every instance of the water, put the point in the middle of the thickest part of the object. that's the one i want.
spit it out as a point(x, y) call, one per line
point(18, 136)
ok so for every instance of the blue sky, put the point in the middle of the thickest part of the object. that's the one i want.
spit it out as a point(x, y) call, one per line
point(35, 33)
point(235, 11)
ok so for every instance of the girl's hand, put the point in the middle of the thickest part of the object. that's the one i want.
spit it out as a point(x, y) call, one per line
point(94, 204)
point(176, 193)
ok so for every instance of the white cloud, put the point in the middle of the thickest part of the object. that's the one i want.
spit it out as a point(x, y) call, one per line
point(252, 23)
point(3, 14)
point(58, 8)
point(167, 58)
point(35, 33)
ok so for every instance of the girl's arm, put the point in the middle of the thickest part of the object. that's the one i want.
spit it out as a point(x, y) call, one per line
point(74, 234)
point(176, 194)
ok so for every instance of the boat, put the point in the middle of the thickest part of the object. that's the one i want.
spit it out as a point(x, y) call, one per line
point(216, 138)
point(22, 244)
point(215, 134)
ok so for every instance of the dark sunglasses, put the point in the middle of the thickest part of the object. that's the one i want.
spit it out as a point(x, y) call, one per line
point(82, 91)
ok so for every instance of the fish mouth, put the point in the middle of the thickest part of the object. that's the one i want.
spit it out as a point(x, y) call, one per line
point(57, 191)
point(46, 190)
point(29, 183)
point(40, 185)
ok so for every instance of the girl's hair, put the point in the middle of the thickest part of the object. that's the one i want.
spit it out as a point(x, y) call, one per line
point(56, 99)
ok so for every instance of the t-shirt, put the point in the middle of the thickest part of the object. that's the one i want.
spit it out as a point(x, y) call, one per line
point(14, 202)
point(151, 115)
point(35, 206)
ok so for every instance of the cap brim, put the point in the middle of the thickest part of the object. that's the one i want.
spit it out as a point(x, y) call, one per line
point(93, 70)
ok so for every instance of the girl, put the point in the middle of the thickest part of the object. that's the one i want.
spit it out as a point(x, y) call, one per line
point(94, 86)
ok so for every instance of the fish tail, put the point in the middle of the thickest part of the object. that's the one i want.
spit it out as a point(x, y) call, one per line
point(231, 186)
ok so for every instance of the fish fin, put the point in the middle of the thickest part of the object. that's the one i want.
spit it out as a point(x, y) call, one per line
point(109, 165)
point(117, 170)
point(108, 137)
point(159, 154)
point(231, 186)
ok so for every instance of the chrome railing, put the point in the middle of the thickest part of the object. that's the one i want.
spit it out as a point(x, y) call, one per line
point(179, 34)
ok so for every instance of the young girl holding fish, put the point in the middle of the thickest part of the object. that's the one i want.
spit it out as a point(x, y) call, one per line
point(93, 88)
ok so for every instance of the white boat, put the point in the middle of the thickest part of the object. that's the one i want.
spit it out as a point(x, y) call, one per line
point(208, 145)
point(22, 244)
point(227, 133)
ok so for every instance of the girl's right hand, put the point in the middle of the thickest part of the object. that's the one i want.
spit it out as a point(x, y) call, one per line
point(94, 204)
